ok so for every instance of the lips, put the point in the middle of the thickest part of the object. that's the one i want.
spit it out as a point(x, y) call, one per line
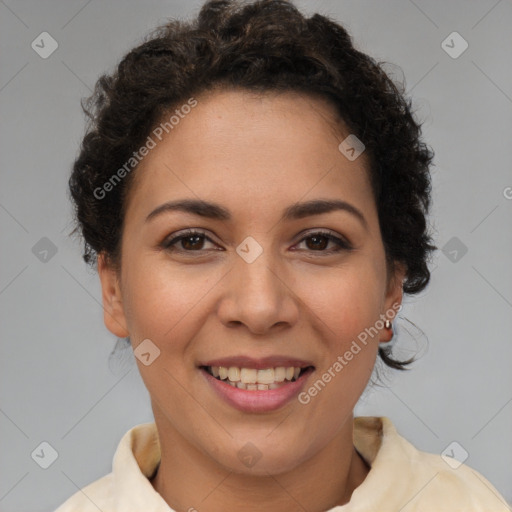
point(256, 385)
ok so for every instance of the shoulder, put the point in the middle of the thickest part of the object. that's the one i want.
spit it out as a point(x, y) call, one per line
point(446, 484)
point(415, 480)
point(90, 498)
point(127, 487)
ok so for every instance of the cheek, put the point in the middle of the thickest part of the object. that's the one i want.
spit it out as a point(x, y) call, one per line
point(347, 301)
point(165, 306)
point(162, 301)
point(345, 308)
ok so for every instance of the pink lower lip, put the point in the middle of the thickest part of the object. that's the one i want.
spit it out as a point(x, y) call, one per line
point(257, 401)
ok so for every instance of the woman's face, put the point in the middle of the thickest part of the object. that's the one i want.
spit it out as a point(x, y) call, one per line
point(253, 284)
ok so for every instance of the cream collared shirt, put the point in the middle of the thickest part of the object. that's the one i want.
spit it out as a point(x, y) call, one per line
point(401, 478)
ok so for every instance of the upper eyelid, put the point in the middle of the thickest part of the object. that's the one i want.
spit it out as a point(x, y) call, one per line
point(185, 233)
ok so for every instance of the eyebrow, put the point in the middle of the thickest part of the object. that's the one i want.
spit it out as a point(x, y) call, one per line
point(295, 211)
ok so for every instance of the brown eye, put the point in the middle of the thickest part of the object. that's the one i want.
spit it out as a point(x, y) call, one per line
point(192, 242)
point(318, 242)
point(189, 241)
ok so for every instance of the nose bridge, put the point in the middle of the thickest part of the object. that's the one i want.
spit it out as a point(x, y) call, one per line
point(255, 281)
point(257, 296)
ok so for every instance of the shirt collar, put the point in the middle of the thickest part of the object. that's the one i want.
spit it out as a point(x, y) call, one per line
point(138, 455)
point(135, 461)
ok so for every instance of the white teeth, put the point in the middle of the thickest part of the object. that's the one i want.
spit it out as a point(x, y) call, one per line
point(248, 375)
point(279, 374)
point(251, 378)
point(234, 374)
point(266, 376)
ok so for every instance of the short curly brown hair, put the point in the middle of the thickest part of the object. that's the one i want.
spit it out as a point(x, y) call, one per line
point(265, 45)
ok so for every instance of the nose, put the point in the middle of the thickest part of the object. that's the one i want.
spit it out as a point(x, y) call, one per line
point(258, 296)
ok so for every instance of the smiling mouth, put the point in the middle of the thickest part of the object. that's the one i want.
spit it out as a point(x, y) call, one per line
point(252, 379)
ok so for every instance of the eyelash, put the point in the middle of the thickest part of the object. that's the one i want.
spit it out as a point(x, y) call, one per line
point(343, 245)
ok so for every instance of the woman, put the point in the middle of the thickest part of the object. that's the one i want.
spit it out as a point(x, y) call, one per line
point(254, 193)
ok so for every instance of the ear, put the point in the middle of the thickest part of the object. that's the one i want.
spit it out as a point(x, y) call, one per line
point(393, 299)
point(113, 309)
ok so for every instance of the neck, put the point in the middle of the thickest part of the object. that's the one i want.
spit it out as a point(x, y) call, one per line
point(188, 479)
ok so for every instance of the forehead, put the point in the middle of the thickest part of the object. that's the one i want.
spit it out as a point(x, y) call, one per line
point(256, 151)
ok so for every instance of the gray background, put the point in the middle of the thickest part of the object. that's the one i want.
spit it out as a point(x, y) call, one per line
point(56, 383)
